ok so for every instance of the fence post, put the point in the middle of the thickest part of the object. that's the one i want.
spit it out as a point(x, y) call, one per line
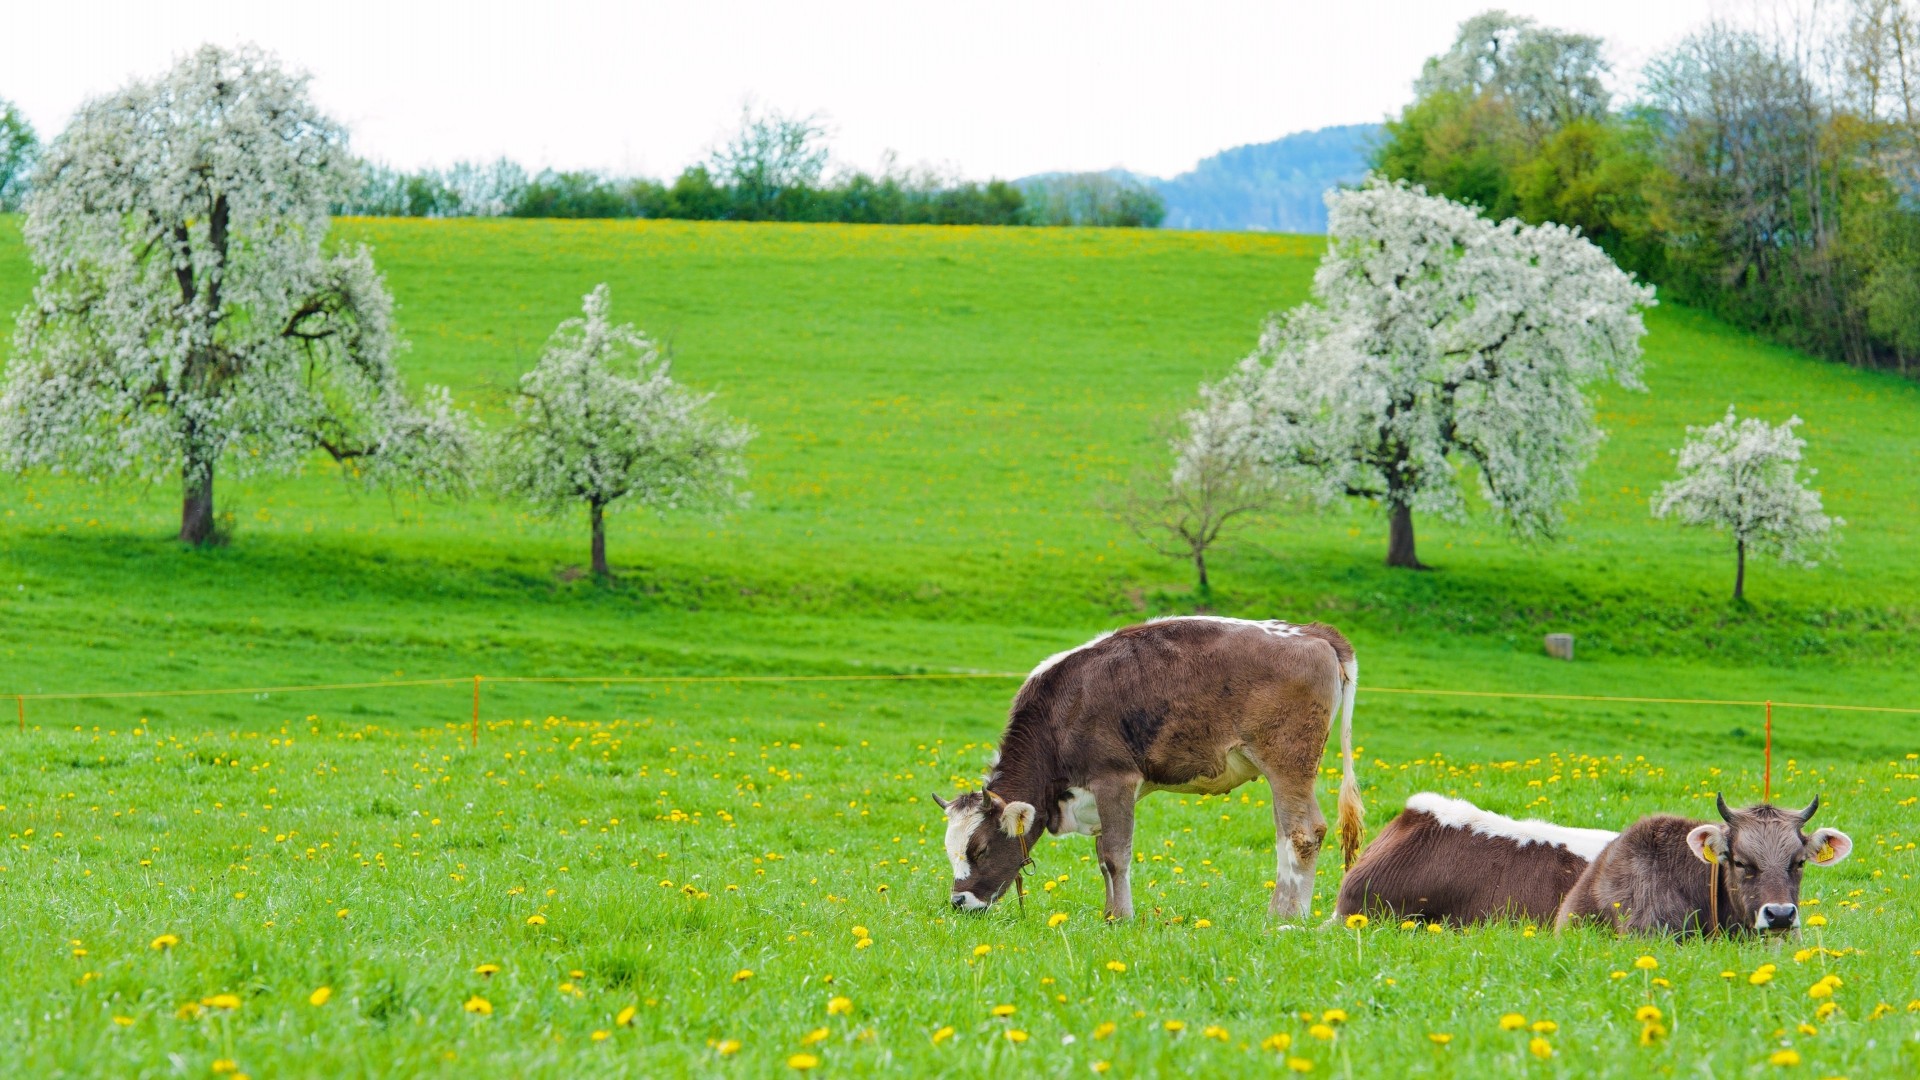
point(476, 711)
point(1766, 790)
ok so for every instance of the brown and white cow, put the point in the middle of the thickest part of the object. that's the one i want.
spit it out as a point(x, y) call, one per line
point(1669, 875)
point(1448, 861)
point(1192, 704)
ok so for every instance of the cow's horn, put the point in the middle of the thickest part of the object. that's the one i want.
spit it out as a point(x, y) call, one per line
point(942, 803)
point(1807, 814)
point(1725, 814)
point(997, 800)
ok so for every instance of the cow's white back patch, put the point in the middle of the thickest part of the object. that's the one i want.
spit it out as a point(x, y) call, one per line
point(1064, 653)
point(1275, 627)
point(1461, 814)
point(960, 828)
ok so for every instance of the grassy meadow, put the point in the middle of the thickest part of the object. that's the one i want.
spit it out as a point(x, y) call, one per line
point(939, 413)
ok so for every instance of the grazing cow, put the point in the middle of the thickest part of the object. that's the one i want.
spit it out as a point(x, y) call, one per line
point(1447, 860)
point(1669, 875)
point(1193, 704)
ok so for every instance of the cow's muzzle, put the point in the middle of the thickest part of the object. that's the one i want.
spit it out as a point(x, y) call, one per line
point(966, 901)
point(1778, 917)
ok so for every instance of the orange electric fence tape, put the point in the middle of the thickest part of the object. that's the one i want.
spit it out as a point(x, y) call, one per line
point(21, 699)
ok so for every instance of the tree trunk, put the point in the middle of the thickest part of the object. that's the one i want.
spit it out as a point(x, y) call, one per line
point(196, 508)
point(1200, 567)
point(1400, 550)
point(599, 541)
point(1739, 569)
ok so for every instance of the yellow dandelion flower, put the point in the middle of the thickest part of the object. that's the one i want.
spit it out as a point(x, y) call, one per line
point(487, 970)
point(982, 950)
point(1409, 924)
point(1101, 1066)
point(1616, 974)
point(1820, 990)
point(1356, 921)
point(1540, 1047)
point(1116, 966)
point(1004, 1010)
point(1300, 1064)
point(225, 1065)
point(1545, 1027)
point(1202, 924)
point(728, 1047)
point(1512, 1022)
point(341, 914)
point(123, 1021)
point(1652, 1033)
point(1784, 1058)
point(1432, 928)
point(1334, 1016)
point(1054, 920)
point(1215, 1031)
point(1729, 975)
point(1806, 1029)
point(1016, 1035)
point(1105, 1029)
point(1276, 1043)
point(840, 1006)
point(942, 1035)
point(1439, 1038)
point(1816, 920)
point(860, 931)
point(1321, 1032)
point(536, 920)
point(803, 1062)
point(1646, 963)
point(600, 1036)
point(626, 1016)
point(1648, 1014)
point(1761, 977)
point(1827, 1009)
point(189, 1010)
point(221, 1001)
point(863, 943)
point(479, 1006)
point(164, 942)
point(814, 1036)
point(320, 996)
point(742, 975)
point(1879, 1011)
point(1175, 1026)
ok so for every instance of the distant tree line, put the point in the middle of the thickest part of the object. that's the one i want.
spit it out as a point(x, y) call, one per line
point(1768, 175)
point(772, 169)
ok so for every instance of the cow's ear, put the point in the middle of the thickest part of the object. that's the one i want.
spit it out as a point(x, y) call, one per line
point(1828, 846)
point(1016, 819)
point(1708, 843)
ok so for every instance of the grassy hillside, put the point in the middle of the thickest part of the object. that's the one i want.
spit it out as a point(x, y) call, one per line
point(938, 410)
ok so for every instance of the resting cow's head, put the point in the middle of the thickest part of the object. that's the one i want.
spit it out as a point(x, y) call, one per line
point(988, 839)
point(1761, 850)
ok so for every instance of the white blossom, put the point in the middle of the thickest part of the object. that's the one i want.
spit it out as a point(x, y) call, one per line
point(601, 421)
point(188, 316)
point(1436, 337)
point(1744, 476)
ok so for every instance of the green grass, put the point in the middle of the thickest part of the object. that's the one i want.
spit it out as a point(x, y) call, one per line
point(939, 410)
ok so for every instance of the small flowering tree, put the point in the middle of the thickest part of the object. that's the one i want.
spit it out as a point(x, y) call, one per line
point(1437, 337)
point(589, 432)
point(187, 318)
point(1744, 476)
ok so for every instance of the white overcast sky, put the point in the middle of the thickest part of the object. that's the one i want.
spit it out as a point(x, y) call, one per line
point(985, 87)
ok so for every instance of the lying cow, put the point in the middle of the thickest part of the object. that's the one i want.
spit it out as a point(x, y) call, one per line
point(1447, 860)
point(1669, 875)
point(1192, 704)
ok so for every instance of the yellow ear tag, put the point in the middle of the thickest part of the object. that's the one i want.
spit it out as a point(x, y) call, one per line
point(1825, 854)
point(1706, 852)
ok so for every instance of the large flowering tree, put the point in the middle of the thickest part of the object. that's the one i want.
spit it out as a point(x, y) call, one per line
point(188, 319)
point(1744, 476)
point(1437, 338)
point(601, 421)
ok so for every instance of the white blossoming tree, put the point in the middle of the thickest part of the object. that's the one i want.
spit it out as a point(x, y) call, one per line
point(188, 320)
point(1437, 338)
point(1744, 476)
point(601, 421)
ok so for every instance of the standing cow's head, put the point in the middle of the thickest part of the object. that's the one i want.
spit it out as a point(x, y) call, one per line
point(1761, 851)
point(988, 840)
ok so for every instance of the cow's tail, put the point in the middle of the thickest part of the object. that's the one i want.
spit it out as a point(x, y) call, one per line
point(1352, 815)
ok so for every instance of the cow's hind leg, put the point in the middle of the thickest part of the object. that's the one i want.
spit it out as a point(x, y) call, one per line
point(1298, 829)
point(1114, 799)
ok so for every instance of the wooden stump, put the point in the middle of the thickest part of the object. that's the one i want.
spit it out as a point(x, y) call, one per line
point(1560, 646)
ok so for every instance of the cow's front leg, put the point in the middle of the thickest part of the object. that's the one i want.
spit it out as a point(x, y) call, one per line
point(1114, 800)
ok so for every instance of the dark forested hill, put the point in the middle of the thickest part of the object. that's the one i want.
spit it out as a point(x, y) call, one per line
point(1269, 187)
